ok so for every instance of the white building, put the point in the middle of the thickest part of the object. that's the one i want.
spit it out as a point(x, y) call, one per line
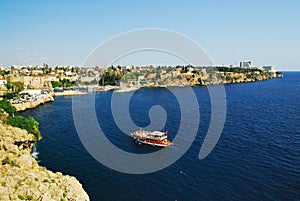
point(269, 69)
point(246, 64)
point(2, 82)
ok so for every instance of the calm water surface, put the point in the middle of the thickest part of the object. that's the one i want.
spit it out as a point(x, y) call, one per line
point(256, 158)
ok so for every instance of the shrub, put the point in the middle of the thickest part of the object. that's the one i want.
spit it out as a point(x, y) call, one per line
point(6, 160)
point(21, 197)
point(28, 197)
point(29, 124)
point(12, 95)
point(7, 107)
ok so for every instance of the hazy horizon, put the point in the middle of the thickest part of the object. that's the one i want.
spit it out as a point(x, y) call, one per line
point(66, 32)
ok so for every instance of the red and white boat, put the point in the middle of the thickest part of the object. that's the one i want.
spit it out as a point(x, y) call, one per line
point(154, 138)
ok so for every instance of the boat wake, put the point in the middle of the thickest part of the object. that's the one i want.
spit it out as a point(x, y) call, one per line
point(182, 172)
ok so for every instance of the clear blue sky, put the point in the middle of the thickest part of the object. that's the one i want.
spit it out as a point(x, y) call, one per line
point(65, 32)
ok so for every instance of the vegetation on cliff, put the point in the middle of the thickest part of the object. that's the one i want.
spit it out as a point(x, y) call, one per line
point(8, 107)
point(149, 76)
point(29, 124)
point(238, 70)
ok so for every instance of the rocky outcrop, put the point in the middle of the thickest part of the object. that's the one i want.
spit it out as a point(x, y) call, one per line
point(33, 104)
point(21, 178)
point(228, 77)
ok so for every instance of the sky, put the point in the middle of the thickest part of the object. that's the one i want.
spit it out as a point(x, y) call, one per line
point(65, 32)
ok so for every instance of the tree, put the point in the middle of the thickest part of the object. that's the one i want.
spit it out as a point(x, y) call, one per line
point(17, 86)
point(7, 107)
point(56, 84)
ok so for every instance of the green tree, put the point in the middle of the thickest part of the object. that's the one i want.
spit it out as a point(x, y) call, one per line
point(8, 83)
point(17, 86)
point(56, 84)
point(7, 107)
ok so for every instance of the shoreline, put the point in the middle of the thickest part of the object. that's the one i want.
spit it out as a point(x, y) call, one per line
point(44, 98)
point(40, 100)
point(70, 93)
point(22, 178)
point(220, 82)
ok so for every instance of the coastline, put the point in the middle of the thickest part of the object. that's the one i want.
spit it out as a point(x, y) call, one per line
point(70, 93)
point(23, 179)
point(191, 80)
point(42, 99)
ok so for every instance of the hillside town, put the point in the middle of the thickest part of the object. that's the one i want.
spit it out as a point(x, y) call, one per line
point(36, 84)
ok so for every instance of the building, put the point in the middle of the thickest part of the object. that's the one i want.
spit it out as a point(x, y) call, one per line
point(246, 64)
point(35, 82)
point(269, 69)
point(2, 82)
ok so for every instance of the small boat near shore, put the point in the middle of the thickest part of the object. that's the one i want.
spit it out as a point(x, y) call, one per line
point(154, 138)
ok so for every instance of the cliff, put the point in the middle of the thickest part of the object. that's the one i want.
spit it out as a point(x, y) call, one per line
point(33, 104)
point(192, 76)
point(21, 177)
point(228, 77)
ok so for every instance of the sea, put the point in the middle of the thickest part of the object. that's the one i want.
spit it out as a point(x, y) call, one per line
point(257, 156)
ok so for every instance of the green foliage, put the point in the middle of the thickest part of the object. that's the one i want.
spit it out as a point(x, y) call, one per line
point(7, 107)
point(14, 86)
point(91, 82)
point(56, 84)
point(200, 81)
point(249, 76)
point(6, 161)
point(237, 69)
point(63, 83)
point(110, 78)
point(30, 87)
point(12, 95)
point(67, 83)
point(228, 78)
point(27, 197)
point(29, 124)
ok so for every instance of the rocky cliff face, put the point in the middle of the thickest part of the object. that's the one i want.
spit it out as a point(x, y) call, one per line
point(228, 77)
point(29, 105)
point(21, 178)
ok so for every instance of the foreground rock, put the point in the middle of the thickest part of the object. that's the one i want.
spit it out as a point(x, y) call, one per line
point(21, 178)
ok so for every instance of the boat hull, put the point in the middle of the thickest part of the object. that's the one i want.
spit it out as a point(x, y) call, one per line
point(153, 143)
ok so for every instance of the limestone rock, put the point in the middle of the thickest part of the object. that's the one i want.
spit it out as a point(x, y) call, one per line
point(21, 178)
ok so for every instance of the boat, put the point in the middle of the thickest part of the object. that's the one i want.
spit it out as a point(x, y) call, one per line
point(154, 138)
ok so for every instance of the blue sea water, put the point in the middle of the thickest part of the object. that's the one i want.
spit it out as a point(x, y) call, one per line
point(256, 158)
